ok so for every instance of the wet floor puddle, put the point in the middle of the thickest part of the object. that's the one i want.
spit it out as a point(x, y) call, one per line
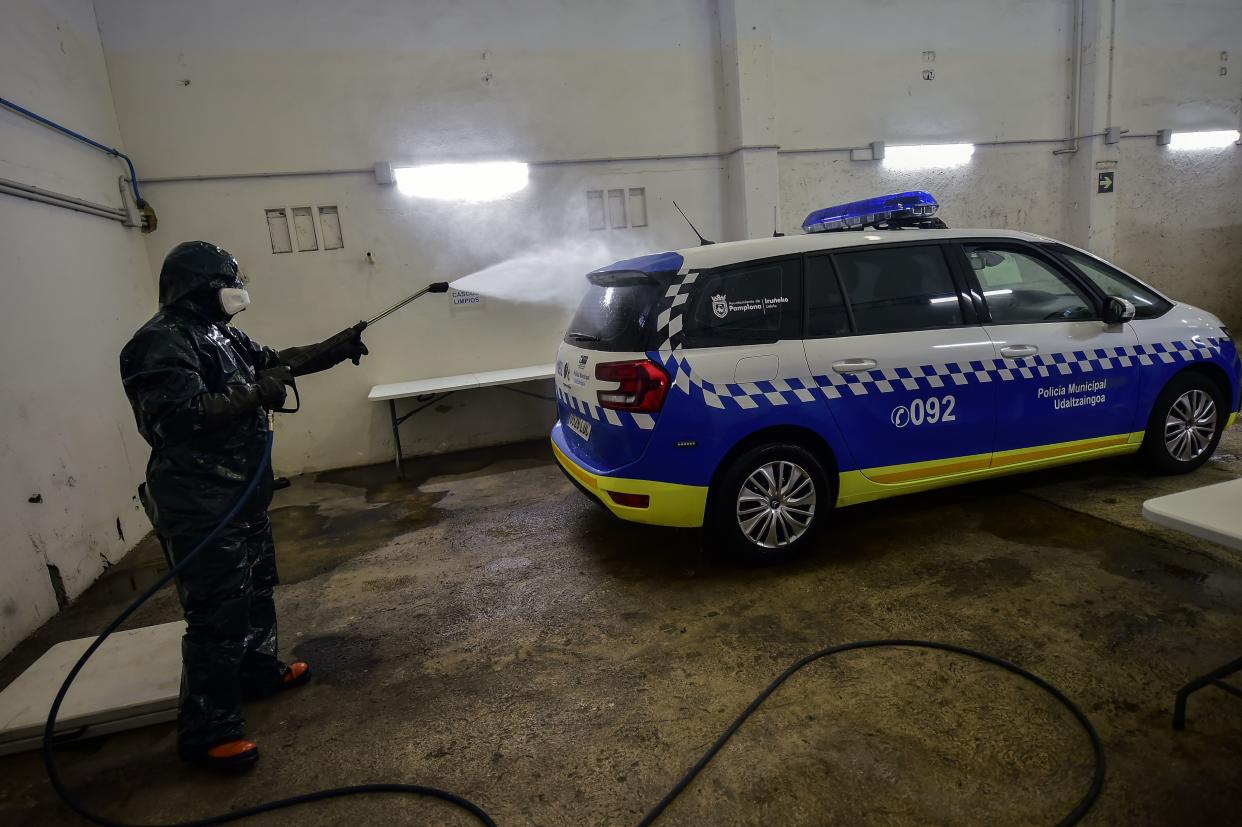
point(337, 530)
point(320, 541)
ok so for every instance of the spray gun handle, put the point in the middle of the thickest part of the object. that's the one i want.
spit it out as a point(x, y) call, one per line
point(292, 384)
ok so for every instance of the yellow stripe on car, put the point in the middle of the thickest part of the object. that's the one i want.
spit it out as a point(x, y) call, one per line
point(671, 504)
point(892, 480)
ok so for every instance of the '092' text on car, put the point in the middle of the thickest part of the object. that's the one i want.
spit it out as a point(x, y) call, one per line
point(751, 387)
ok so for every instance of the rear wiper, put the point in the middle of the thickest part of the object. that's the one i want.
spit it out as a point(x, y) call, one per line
point(583, 337)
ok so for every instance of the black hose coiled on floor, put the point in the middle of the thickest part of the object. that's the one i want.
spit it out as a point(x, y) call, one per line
point(1080, 809)
point(53, 772)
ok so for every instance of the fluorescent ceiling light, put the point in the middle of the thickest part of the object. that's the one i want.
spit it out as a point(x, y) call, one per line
point(924, 156)
point(488, 181)
point(1215, 139)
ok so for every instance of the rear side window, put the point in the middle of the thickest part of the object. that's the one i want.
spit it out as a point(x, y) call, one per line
point(1112, 282)
point(616, 317)
point(1020, 287)
point(751, 304)
point(901, 288)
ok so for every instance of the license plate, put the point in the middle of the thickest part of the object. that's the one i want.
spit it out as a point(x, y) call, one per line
point(580, 426)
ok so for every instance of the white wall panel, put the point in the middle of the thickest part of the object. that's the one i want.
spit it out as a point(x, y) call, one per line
point(1168, 61)
point(272, 87)
point(846, 74)
point(76, 286)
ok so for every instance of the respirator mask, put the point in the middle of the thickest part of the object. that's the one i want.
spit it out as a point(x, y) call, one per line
point(233, 300)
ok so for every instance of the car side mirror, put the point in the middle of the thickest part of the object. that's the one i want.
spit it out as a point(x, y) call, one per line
point(1118, 310)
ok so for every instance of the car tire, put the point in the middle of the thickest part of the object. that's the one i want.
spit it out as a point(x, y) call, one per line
point(1185, 424)
point(755, 532)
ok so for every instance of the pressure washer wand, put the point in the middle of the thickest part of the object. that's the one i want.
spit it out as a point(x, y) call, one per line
point(434, 287)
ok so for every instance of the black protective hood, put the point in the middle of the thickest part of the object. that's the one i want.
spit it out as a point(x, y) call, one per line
point(192, 275)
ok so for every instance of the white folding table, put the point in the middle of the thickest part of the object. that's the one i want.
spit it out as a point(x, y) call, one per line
point(430, 391)
point(1213, 512)
point(132, 681)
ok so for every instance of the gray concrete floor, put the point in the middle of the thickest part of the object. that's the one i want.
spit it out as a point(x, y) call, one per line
point(485, 629)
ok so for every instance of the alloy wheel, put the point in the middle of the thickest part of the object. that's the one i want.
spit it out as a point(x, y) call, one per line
point(1190, 425)
point(776, 504)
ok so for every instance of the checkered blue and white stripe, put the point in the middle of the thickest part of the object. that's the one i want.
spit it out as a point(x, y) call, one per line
point(794, 390)
point(608, 416)
point(668, 320)
point(1078, 363)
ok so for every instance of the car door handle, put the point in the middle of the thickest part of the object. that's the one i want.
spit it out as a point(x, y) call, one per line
point(1018, 351)
point(853, 365)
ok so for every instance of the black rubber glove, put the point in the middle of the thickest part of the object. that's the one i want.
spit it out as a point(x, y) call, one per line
point(271, 385)
point(268, 391)
point(330, 352)
point(220, 409)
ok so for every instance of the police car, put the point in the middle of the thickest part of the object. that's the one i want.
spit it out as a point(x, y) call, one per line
point(750, 387)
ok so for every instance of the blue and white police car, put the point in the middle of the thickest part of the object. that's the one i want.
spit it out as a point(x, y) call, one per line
point(750, 387)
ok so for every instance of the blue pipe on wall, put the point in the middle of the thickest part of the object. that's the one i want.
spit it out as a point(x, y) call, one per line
point(133, 175)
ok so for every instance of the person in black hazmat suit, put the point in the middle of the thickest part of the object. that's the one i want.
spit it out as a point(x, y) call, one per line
point(200, 390)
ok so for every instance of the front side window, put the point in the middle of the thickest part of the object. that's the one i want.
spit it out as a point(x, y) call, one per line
point(1018, 287)
point(1147, 305)
point(751, 304)
point(901, 288)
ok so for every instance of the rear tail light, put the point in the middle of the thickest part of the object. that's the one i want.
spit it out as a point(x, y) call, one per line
point(630, 500)
point(643, 385)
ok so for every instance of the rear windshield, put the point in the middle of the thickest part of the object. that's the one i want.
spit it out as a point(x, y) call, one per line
point(616, 317)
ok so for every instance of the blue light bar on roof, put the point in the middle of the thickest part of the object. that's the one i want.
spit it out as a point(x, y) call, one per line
point(871, 211)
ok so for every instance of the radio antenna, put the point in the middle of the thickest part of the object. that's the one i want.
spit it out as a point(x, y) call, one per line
point(776, 225)
point(703, 242)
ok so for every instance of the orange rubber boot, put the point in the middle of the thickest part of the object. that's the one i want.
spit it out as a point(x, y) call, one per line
point(298, 674)
point(232, 756)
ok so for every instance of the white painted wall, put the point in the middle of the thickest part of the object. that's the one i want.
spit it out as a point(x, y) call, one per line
point(1179, 214)
point(846, 74)
point(1168, 64)
point(1180, 224)
point(75, 286)
point(289, 84)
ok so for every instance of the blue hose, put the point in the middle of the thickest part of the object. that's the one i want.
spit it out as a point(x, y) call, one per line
point(34, 116)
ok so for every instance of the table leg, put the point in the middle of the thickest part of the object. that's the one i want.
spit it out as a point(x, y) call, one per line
point(396, 436)
point(1213, 677)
